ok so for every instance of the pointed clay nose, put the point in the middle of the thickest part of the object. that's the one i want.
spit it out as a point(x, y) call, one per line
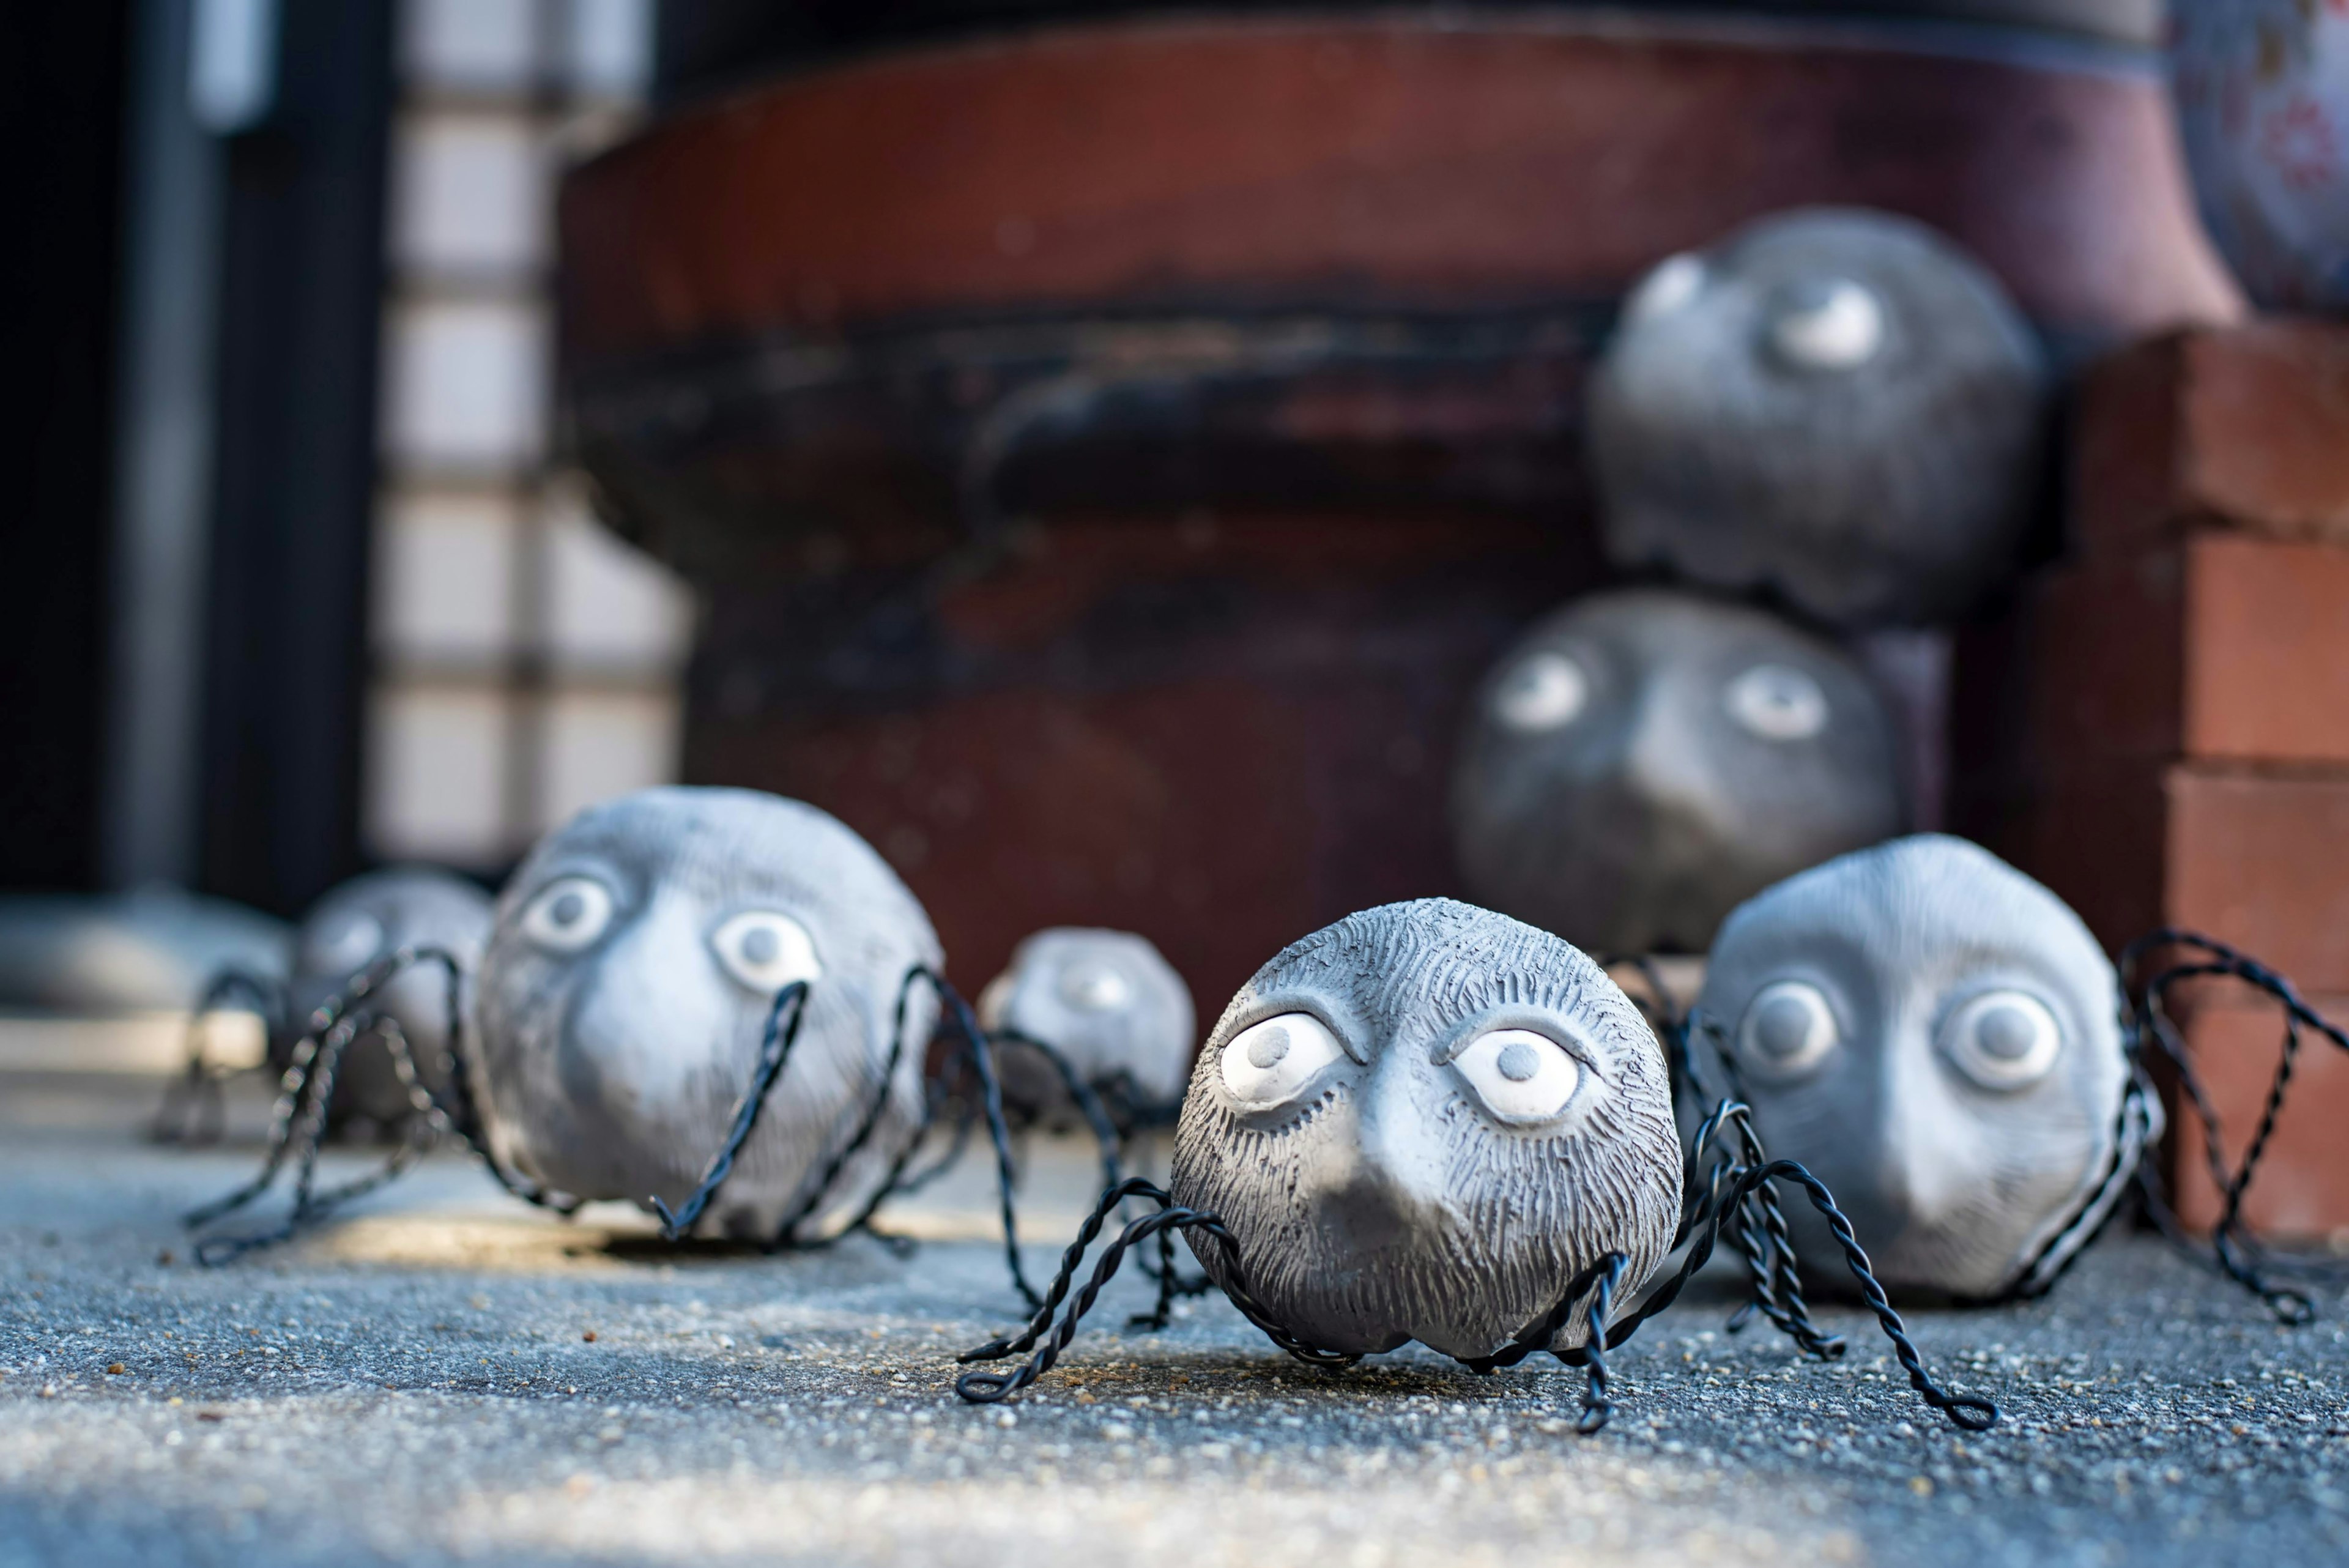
point(1664, 760)
point(1377, 1185)
point(652, 1010)
point(1924, 1159)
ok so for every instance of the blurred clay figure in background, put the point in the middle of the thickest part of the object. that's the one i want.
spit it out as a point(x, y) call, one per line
point(349, 927)
point(1836, 406)
point(352, 927)
point(1642, 761)
point(1937, 1036)
point(1112, 1008)
point(1420, 1123)
point(638, 954)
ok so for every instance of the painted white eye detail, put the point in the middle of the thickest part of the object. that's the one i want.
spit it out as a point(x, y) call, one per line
point(568, 914)
point(1518, 1073)
point(1670, 283)
point(1776, 702)
point(1543, 690)
point(1269, 1061)
point(1788, 1028)
point(345, 945)
point(766, 952)
point(1833, 325)
point(1094, 987)
point(2002, 1039)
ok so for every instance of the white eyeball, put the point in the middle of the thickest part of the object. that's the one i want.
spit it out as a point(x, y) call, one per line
point(766, 952)
point(1670, 284)
point(568, 915)
point(1543, 690)
point(1776, 702)
point(1094, 987)
point(1519, 1073)
point(1269, 1063)
point(345, 945)
point(1837, 325)
point(1787, 1030)
point(2002, 1039)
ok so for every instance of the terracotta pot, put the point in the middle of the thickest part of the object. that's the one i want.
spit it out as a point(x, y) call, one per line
point(1110, 455)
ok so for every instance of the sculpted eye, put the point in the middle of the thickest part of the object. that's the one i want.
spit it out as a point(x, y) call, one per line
point(1776, 702)
point(1787, 1029)
point(1673, 282)
point(2003, 1040)
point(1835, 325)
point(1518, 1073)
point(1269, 1061)
point(1543, 691)
point(347, 944)
point(765, 950)
point(569, 914)
point(1094, 987)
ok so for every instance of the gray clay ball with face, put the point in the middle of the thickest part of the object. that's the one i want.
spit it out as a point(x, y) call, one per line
point(1110, 1004)
point(1835, 405)
point(1640, 762)
point(637, 954)
point(1421, 1124)
point(1936, 1036)
point(364, 919)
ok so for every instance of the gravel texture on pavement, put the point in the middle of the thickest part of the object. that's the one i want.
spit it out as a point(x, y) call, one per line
point(446, 1375)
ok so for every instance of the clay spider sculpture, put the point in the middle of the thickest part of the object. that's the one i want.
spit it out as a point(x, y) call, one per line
point(1833, 404)
point(1432, 1122)
point(1115, 1011)
point(1941, 1040)
point(1640, 762)
point(346, 930)
point(1938, 1038)
point(681, 971)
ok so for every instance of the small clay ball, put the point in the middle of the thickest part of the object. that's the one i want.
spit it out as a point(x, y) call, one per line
point(1834, 405)
point(349, 927)
point(1936, 1036)
point(1421, 1123)
point(1640, 762)
point(637, 956)
point(1111, 1005)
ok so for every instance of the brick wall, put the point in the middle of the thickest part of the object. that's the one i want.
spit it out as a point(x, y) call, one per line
point(2158, 728)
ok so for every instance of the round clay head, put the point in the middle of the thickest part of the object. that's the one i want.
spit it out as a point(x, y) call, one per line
point(1640, 762)
point(361, 920)
point(1111, 1005)
point(638, 953)
point(1835, 405)
point(1936, 1035)
point(1421, 1123)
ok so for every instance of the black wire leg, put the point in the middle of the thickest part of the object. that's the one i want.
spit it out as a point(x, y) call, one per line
point(193, 1112)
point(774, 1050)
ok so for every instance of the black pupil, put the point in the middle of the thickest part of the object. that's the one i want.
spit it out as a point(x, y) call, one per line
point(759, 945)
point(567, 910)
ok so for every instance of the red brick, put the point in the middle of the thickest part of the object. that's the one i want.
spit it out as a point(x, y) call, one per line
point(2243, 428)
point(2302, 1187)
point(2261, 863)
point(2266, 650)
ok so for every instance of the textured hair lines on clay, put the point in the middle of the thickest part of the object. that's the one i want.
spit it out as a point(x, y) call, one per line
point(1432, 1122)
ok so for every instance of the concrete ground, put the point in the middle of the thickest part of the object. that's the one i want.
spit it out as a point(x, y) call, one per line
point(446, 1375)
